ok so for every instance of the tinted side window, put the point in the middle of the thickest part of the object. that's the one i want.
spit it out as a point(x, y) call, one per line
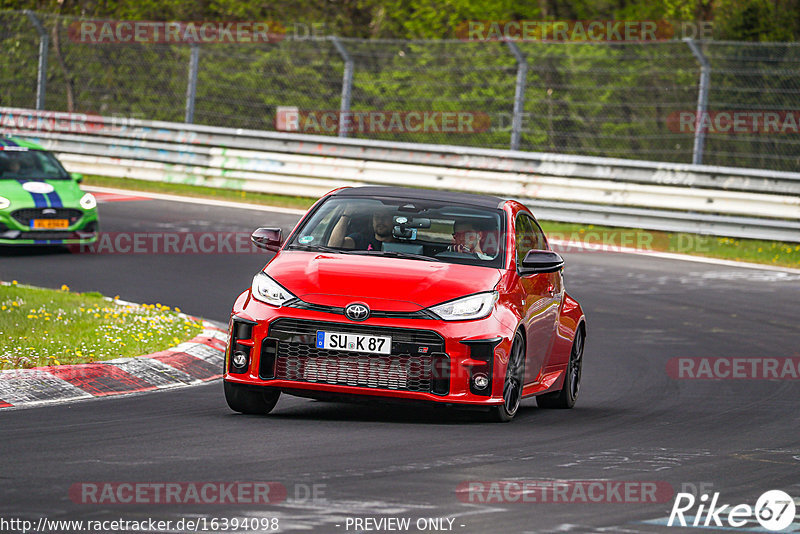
point(524, 236)
point(540, 240)
point(529, 236)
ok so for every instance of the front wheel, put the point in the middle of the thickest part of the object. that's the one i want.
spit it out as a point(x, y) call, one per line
point(512, 385)
point(247, 400)
point(572, 381)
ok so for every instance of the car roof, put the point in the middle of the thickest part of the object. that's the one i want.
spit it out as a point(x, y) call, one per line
point(484, 201)
point(19, 142)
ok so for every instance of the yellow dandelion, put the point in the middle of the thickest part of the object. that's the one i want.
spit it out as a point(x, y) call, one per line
point(64, 287)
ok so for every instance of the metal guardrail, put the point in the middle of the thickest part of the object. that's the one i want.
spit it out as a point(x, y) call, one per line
point(723, 201)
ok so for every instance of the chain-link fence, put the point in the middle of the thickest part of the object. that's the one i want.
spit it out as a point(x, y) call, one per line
point(628, 100)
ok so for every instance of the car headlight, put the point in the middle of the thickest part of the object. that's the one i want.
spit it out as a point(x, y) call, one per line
point(474, 306)
point(4, 203)
point(268, 290)
point(88, 201)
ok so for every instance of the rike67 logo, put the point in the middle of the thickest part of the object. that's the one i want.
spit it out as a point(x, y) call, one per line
point(774, 511)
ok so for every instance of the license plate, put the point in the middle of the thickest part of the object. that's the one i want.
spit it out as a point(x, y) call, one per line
point(354, 342)
point(49, 224)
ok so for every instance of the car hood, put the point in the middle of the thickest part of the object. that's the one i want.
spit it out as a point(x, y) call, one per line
point(66, 192)
point(387, 284)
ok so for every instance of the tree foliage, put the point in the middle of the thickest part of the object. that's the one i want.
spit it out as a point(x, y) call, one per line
point(734, 20)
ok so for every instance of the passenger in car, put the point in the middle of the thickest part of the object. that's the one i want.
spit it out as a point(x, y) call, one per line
point(10, 166)
point(467, 238)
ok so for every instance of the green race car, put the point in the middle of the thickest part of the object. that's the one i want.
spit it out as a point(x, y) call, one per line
point(40, 202)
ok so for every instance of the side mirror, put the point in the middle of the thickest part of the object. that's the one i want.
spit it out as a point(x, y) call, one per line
point(78, 177)
point(267, 238)
point(541, 261)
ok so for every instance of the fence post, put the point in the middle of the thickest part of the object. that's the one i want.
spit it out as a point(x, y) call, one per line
point(519, 94)
point(347, 85)
point(191, 88)
point(44, 44)
point(702, 101)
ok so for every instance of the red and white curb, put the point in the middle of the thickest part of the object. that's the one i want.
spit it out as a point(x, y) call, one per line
point(199, 360)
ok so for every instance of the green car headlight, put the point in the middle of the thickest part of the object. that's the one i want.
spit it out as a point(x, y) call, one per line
point(88, 201)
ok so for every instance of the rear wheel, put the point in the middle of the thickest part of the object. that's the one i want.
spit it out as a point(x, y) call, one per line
point(572, 381)
point(244, 399)
point(512, 385)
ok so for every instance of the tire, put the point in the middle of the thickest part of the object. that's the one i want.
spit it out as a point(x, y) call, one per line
point(512, 384)
point(248, 400)
point(568, 395)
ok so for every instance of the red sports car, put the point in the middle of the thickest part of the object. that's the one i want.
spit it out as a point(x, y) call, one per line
point(392, 293)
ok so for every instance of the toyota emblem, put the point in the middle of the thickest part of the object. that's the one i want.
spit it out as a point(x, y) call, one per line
point(357, 312)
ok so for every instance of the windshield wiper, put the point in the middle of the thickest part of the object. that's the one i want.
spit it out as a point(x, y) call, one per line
point(320, 248)
point(396, 254)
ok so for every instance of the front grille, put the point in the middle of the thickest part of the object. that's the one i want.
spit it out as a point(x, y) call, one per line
point(25, 216)
point(308, 364)
point(406, 368)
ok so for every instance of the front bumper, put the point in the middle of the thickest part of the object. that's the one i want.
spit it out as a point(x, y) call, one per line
point(430, 360)
point(81, 231)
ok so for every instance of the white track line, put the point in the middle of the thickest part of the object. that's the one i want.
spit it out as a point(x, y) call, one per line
point(671, 256)
point(568, 244)
point(194, 200)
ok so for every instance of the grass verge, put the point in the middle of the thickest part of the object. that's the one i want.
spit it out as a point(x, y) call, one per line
point(747, 250)
point(40, 327)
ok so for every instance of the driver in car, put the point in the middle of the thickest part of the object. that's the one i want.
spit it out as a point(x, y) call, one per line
point(373, 239)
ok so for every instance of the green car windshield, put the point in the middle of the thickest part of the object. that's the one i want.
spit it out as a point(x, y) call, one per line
point(23, 164)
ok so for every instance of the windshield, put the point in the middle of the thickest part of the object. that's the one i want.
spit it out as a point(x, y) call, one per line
point(417, 229)
point(20, 163)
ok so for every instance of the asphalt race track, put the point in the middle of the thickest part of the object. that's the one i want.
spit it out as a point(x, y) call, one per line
point(633, 422)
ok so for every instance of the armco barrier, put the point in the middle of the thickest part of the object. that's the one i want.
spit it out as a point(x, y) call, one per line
point(724, 201)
